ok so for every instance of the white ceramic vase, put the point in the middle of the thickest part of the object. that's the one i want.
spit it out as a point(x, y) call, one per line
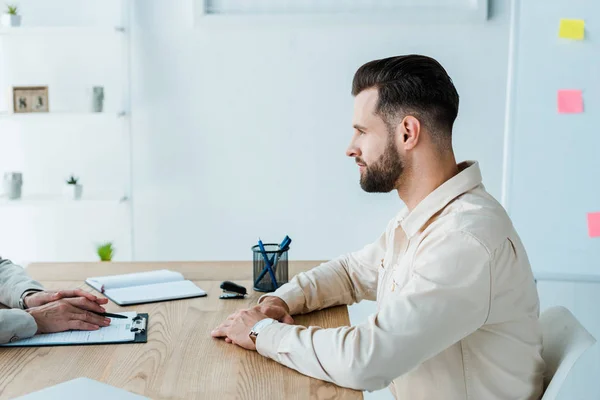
point(13, 182)
point(74, 192)
point(10, 21)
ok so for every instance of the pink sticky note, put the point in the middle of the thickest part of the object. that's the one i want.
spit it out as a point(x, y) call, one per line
point(570, 101)
point(594, 224)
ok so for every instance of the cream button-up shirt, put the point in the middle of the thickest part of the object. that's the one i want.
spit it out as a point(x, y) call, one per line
point(457, 306)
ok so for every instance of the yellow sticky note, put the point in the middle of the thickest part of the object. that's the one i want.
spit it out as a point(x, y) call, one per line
point(571, 29)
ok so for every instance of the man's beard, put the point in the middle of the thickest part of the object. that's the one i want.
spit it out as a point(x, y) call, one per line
point(383, 175)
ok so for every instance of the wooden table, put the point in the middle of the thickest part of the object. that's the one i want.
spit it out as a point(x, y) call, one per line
point(180, 360)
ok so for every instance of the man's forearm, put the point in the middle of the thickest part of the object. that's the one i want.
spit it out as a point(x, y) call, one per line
point(324, 286)
point(345, 280)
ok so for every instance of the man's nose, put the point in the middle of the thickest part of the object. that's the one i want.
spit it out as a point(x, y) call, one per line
point(353, 151)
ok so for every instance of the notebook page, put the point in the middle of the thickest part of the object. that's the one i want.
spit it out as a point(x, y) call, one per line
point(136, 279)
point(119, 330)
point(156, 292)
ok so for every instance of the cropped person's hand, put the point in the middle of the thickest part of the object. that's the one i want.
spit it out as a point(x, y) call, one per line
point(66, 314)
point(40, 298)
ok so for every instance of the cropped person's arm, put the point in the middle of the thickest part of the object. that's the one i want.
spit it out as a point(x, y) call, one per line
point(446, 299)
point(16, 324)
point(14, 281)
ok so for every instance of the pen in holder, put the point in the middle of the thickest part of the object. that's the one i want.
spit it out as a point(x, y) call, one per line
point(277, 259)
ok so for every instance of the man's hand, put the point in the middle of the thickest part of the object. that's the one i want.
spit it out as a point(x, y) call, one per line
point(276, 308)
point(67, 314)
point(236, 329)
point(40, 298)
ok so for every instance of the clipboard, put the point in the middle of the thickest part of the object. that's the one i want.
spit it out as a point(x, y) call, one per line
point(139, 325)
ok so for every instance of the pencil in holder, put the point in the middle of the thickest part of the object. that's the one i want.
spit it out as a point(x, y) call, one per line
point(278, 259)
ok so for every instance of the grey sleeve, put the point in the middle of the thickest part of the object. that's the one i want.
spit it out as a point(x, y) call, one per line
point(14, 281)
point(16, 324)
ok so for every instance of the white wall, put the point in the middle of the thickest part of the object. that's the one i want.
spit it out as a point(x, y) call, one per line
point(217, 110)
point(554, 157)
point(240, 130)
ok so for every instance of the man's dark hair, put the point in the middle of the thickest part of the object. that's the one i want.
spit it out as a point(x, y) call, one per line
point(412, 85)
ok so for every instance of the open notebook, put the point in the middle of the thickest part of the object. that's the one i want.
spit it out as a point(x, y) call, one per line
point(119, 331)
point(145, 287)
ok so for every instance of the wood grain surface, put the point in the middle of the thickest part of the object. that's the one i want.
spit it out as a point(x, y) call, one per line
point(180, 360)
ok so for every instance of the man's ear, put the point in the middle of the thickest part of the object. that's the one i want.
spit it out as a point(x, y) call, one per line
point(409, 132)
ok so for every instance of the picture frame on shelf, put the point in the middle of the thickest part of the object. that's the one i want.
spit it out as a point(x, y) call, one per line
point(30, 99)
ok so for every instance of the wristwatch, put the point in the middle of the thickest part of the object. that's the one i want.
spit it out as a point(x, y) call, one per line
point(25, 294)
point(260, 325)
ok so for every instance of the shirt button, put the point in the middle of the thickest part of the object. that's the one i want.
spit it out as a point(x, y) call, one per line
point(14, 338)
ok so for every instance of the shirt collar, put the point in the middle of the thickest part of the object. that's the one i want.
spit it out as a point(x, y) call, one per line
point(468, 178)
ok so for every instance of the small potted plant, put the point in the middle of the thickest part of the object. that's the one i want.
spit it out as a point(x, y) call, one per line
point(11, 18)
point(106, 251)
point(73, 189)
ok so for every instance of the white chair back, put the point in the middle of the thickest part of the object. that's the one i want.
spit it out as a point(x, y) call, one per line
point(565, 340)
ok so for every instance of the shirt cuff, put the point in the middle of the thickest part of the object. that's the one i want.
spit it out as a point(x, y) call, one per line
point(291, 294)
point(269, 339)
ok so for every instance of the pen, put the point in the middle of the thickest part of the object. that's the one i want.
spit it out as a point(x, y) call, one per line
point(267, 262)
point(109, 315)
point(283, 247)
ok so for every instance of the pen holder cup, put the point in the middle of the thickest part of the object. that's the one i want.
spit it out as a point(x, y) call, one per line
point(263, 281)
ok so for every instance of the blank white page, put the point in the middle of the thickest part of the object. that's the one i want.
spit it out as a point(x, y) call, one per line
point(135, 279)
point(119, 330)
point(79, 388)
point(156, 292)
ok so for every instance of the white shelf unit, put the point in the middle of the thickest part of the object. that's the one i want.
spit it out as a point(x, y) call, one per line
point(49, 199)
point(63, 114)
point(61, 30)
point(50, 203)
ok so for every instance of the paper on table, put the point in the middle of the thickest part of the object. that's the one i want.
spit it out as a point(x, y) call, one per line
point(571, 29)
point(119, 330)
point(135, 279)
point(82, 388)
point(570, 101)
point(594, 224)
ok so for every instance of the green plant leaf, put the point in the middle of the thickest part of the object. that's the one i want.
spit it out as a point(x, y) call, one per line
point(106, 251)
point(12, 10)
